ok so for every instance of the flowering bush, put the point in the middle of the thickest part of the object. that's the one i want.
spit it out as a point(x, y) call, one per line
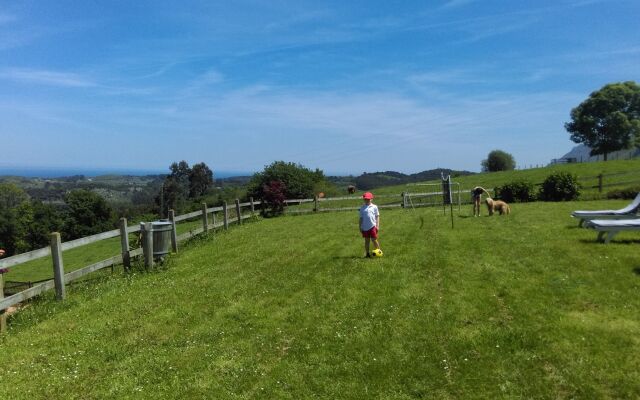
point(274, 197)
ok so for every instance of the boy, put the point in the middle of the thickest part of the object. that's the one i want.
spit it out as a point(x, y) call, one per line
point(369, 222)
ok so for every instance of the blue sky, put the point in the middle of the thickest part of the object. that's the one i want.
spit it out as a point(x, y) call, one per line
point(342, 86)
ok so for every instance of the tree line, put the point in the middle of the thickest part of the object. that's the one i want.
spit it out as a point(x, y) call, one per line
point(26, 222)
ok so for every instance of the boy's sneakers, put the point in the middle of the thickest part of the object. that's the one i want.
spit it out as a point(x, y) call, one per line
point(367, 256)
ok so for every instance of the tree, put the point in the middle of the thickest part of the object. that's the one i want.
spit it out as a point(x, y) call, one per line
point(46, 219)
point(15, 216)
point(172, 196)
point(87, 213)
point(609, 120)
point(200, 180)
point(299, 182)
point(498, 160)
point(182, 184)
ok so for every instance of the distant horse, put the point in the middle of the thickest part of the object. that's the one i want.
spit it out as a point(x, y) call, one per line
point(351, 189)
point(321, 195)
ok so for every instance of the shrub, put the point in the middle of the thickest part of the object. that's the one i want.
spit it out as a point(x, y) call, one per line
point(560, 186)
point(627, 193)
point(299, 181)
point(517, 191)
point(274, 198)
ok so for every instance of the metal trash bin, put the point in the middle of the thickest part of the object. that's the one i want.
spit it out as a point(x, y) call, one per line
point(161, 237)
point(161, 231)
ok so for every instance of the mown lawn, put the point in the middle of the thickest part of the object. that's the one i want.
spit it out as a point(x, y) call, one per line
point(525, 306)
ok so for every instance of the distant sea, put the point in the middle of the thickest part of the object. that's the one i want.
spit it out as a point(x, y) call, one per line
point(54, 172)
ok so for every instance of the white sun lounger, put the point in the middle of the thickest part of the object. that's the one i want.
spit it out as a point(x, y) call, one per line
point(610, 227)
point(629, 212)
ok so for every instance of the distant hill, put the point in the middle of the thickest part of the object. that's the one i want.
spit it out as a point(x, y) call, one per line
point(582, 153)
point(233, 181)
point(389, 178)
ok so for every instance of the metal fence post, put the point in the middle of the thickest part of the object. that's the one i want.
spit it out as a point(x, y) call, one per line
point(174, 232)
point(58, 266)
point(205, 219)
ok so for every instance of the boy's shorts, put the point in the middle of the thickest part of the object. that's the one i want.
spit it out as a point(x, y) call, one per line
point(371, 233)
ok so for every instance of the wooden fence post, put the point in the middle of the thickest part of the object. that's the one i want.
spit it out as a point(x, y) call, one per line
point(205, 218)
point(315, 203)
point(124, 244)
point(225, 215)
point(253, 207)
point(3, 316)
point(238, 212)
point(174, 232)
point(148, 244)
point(600, 183)
point(58, 266)
point(404, 200)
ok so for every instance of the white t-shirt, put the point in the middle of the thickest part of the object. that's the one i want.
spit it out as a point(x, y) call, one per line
point(368, 214)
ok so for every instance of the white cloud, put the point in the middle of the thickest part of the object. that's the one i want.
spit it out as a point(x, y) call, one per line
point(45, 77)
point(456, 3)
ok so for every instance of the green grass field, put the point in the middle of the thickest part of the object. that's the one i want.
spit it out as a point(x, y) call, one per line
point(524, 306)
point(42, 269)
point(625, 170)
point(618, 174)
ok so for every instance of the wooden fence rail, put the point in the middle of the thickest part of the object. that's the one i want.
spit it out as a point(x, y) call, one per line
point(56, 249)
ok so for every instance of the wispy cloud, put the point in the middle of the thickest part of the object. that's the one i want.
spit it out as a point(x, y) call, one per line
point(46, 77)
point(457, 3)
point(452, 76)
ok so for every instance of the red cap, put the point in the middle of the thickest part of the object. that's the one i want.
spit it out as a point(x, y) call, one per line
point(367, 196)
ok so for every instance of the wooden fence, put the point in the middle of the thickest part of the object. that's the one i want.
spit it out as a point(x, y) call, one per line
point(57, 247)
point(610, 180)
point(403, 200)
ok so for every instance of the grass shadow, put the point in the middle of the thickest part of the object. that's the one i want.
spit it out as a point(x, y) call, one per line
point(347, 258)
point(636, 270)
point(614, 241)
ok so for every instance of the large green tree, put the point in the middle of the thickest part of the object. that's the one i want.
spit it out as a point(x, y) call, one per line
point(46, 219)
point(609, 120)
point(87, 213)
point(298, 181)
point(498, 160)
point(183, 184)
point(200, 180)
